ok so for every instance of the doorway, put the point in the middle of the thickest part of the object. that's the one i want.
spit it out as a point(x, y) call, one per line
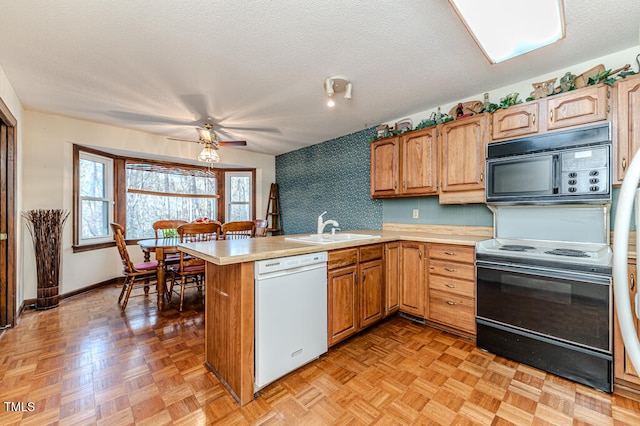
point(7, 216)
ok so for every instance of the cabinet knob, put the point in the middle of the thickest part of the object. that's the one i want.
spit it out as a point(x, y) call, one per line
point(624, 163)
point(632, 282)
point(449, 269)
point(533, 119)
point(481, 177)
point(551, 115)
point(451, 303)
point(451, 286)
point(450, 253)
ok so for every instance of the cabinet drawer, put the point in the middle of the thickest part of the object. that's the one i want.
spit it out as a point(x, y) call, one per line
point(461, 271)
point(452, 310)
point(341, 258)
point(452, 252)
point(465, 288)
point(371, 252)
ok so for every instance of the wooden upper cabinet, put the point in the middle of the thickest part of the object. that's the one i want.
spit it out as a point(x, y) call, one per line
point(628, 126)
point(515, 121)
point(385, 171)
point(418, 169)
point(587, 105)
point(462, 157)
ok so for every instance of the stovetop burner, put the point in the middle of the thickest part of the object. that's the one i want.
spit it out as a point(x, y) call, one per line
point(567, 252)
point(515, 247)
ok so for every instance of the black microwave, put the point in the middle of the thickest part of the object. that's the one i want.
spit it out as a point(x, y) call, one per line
point(570, 166)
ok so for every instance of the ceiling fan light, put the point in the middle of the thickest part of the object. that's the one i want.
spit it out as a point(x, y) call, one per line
point(330, 102)
point(347, 91)
point(204, 135)
point(209, 154)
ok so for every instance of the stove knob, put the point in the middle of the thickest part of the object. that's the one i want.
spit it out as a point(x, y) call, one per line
point(573, 174)
point(594, 173)
point(572, 182)
point(594, 188)
point(572, 189)
point(594, 180)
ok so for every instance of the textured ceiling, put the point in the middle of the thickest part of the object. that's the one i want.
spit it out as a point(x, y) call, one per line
point(256, 68)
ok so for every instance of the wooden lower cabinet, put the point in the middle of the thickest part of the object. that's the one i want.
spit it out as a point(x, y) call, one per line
point(623, 369)
point(355, 280)
point(452, 288)
point(412, 278)
point(391, 278)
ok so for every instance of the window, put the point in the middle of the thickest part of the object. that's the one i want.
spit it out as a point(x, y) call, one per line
point(238, 190)
point(95, 204)
point(156, 192)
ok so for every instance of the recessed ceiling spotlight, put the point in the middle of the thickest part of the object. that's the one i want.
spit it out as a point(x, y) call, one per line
point(334, 85)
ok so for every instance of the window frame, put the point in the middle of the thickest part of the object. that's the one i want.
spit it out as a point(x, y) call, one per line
point(80, 244)
point(120, 187)
point(228, 174)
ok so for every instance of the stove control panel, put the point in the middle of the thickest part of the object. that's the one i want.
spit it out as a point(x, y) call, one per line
point(585, 171)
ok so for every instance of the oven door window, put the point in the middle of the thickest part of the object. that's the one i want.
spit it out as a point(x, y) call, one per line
point(522, 177)
point(566, 309)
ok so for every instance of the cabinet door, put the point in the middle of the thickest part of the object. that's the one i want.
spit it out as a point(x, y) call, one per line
point(392, 278)
point(628, 106)
point(342, 304)
point(623, 368)
point(384, 167)
point(419, 162)
point(517, 120)
point(412, 278)
point(583, 106)
point(462, 147)
point(371, 292)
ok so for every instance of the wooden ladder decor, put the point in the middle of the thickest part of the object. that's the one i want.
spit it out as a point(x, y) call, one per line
point(274, 221)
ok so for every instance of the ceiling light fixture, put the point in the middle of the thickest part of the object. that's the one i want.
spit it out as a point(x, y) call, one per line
point(209, 154)
point(504, 29)
point(334, 85)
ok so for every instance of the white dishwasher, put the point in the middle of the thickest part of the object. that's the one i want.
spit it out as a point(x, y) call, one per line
point(290, 314)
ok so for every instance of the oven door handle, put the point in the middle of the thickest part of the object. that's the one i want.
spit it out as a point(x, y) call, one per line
point(545, 272)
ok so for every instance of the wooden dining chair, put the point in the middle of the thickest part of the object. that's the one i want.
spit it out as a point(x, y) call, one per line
point(166, 228)
point(238, 230)
point(261, 227)
point(189, 272)
point(135, 273)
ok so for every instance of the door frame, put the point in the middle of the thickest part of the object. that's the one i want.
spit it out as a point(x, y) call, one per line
point(8, 302)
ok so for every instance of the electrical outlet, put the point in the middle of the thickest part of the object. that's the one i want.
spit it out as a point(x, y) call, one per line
point(416, 213)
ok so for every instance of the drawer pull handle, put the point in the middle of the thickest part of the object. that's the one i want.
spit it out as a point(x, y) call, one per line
point(450, 253)
point(451, 303)
point(449, 269)
point(222, 293)
point(451, 286)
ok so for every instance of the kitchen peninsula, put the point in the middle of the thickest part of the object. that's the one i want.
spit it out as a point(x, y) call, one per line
point(229, 310)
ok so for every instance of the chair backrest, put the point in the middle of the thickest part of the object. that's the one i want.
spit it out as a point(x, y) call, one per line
point(261, 227)
point(239, 229)
point(167, 228)
point(118, 235)
point(190, 232)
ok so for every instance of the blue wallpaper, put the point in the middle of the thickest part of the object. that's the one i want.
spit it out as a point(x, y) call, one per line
point(331, 176)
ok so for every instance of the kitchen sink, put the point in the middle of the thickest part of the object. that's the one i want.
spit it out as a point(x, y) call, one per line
point(330, 238)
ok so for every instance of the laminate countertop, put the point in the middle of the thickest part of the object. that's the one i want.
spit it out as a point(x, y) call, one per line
point(226, 252)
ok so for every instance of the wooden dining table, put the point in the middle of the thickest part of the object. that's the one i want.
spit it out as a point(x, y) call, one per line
point(161, 247)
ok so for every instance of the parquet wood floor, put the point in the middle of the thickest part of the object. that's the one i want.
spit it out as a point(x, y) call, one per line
point(86, 363)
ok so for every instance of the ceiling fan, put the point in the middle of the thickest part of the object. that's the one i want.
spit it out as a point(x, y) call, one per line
point(211, 143)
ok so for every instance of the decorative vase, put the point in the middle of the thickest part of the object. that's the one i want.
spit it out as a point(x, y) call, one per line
point(45, 227)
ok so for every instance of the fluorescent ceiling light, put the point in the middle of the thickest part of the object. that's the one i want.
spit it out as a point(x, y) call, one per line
point(507, 28)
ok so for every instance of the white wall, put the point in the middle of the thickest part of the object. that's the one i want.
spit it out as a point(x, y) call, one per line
point(524, 88)
point(48, 183)
point(9, 97)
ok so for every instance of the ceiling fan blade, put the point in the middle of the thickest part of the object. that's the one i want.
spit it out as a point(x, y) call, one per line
point(233, 143)
point(184, 140)
point(250, 129)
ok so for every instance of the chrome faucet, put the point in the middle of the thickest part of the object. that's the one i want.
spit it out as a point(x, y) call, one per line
point(322, 224)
